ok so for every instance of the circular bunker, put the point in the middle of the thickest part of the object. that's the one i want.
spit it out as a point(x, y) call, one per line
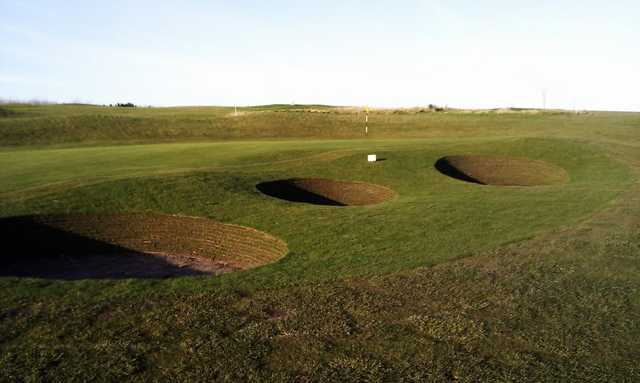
point(501, 170)
point(130, 246)
point(321, 191)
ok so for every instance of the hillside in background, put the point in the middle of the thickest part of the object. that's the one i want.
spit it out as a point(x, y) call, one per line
point(44, 125)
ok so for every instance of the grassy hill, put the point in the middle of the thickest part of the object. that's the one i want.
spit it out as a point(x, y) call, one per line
point(446, 281)
point(45, 125)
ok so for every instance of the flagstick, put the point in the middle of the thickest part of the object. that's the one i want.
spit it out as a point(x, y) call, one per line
point(366, 120)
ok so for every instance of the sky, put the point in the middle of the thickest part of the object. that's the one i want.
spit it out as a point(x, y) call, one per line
point(457, 53)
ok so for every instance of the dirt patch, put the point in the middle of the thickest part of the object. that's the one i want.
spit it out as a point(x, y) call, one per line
point(320, 191)
point(130, 246)
point(501, 170)
point(274, 314)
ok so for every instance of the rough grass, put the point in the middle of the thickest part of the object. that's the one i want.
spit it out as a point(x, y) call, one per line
point(82, 125)
point(449, 281)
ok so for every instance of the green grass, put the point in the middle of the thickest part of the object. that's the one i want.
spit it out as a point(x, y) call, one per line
point(433, 219)
point(447, 281)
point(81, 125)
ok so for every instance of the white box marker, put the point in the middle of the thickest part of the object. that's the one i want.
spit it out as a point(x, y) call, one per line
point(371, 158)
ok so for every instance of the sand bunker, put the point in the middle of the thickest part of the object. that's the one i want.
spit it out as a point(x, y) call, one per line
point(321, 191)
point(501, 170)
point(130, 246)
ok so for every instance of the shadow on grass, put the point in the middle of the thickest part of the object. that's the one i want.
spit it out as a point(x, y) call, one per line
point(33, 249)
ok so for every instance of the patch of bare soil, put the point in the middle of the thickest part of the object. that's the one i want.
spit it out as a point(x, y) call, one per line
point(130, 246)
point(501, 170)
point(320, 191)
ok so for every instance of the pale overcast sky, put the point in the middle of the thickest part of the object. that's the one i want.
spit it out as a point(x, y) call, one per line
point(463, 53)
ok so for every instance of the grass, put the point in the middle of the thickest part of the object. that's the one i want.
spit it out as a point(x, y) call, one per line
point(79, 125)
point(447, 281)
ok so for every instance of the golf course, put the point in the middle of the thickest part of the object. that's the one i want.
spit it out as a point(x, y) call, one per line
point(258, 244)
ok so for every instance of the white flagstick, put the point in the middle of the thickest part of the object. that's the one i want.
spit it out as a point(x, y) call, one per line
point(366, 120)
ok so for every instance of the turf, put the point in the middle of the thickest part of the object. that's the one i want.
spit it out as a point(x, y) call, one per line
point(448, 280)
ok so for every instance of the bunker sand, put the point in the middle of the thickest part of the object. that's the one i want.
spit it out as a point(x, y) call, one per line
point(501, 170)
point(321, 191)
point(130, 246)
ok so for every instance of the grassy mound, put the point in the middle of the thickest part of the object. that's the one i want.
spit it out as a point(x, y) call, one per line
point(128, 246)
point(321, 191)
point(91, 125)
point(501, 170)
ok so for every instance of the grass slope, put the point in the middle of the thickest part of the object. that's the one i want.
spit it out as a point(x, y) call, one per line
point(432, 219)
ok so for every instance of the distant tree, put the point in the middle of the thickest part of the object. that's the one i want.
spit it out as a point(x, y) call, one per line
point(126, 105)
